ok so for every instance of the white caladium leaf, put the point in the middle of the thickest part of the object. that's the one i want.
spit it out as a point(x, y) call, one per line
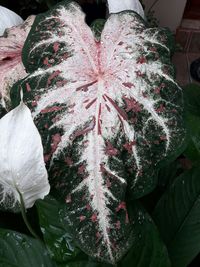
point(8, 19)
point(107, 112)
point(116, 6)
point(22, 167)
point(11, 67)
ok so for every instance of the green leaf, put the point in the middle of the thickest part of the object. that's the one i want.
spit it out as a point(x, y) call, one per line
point(168, 173)
point(58, 240)
point(97, 27)
point(178, 218)
point(20, 250)
point(192, 99)
point(193, 148)
point(148, 248)
point(192, 106)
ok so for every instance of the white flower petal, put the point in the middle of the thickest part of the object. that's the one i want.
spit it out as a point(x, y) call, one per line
point(116, 6)
point(8, 19)
point(22, 165)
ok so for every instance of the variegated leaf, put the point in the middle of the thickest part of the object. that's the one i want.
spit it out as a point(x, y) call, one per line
point(107, 111)
point(11, 67)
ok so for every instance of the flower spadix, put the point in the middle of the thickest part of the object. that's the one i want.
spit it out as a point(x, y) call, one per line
point(22, 168)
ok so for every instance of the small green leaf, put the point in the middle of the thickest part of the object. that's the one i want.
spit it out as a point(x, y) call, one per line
point(20, 250)
point(57, 239)
point(97, 27)
point(178, 219)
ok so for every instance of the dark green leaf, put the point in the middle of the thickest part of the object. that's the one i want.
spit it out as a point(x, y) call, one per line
point(193, 148)
point(57, 239)
point(178, 218)
point(148, 249)
point(97, 27)
point(192, 99)
point(168, 173)
point(18, 250)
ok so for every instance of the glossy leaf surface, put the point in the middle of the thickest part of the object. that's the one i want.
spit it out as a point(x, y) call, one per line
point(58, 240)
point(20, 250)
point(178, 219)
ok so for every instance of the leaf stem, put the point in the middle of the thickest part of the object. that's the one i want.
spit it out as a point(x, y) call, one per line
point(24, 216)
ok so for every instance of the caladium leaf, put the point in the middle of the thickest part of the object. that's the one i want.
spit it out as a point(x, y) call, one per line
point(107, 111)
point(22, 168)
point(11, 67)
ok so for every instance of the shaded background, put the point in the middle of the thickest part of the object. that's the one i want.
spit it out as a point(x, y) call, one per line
point(24, 8)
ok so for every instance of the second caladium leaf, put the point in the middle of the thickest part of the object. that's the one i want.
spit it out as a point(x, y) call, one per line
point(11, 67)
point(107, 112)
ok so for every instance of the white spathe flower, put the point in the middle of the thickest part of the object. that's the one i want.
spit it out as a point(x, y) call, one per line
point(8, 19)
point(116, 6)
point(22, 167)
